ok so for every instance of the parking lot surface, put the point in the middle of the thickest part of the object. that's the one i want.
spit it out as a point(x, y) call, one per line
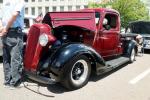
point(128, 82)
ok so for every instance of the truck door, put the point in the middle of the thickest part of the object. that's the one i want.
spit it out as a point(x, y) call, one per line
point(109, 34)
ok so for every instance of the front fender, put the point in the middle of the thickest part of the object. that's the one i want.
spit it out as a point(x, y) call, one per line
point(67, 52)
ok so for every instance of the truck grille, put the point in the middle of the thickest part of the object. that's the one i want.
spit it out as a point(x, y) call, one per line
point(32, 43)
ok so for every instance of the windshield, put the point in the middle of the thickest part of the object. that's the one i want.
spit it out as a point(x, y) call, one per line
point(140, 27)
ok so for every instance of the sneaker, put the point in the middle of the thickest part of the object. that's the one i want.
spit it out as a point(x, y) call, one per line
point(6, 85)
point(20, 85)
point(11, 87)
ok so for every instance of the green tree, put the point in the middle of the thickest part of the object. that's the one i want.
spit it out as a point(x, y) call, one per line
point(130, 10)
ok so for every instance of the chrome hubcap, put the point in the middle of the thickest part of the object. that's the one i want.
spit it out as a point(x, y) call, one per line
point(79, 72)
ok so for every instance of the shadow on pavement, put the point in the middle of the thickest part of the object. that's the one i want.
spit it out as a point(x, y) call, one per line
point(95, 78)
point(57, 88)
point(31, 85)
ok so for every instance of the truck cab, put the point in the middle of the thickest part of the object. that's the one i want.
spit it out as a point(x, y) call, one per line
point(108, 33)
point(67, 46)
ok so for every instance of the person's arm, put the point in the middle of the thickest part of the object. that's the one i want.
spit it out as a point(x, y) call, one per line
point(10, 22)
point(1, 26)
point(12, 19)
point(19, 6)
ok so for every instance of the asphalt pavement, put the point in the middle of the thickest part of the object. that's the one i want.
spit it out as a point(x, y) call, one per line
point(128, 82)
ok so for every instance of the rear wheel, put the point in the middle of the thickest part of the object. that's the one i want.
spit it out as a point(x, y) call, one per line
point(132, 55)
point(77, 72)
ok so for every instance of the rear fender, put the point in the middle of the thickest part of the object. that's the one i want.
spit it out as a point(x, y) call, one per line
point(129, 46)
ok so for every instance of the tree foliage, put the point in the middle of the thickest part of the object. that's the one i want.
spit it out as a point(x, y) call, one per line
point(130, 10)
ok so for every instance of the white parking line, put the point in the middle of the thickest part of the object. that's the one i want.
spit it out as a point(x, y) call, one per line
point(139, 77)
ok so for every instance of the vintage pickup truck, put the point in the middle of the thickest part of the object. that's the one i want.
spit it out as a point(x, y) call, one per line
point(67, 46)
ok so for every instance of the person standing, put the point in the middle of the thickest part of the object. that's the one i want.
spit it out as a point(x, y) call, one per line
point(11, 25)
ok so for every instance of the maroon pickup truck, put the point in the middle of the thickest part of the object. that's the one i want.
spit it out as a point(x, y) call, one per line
point(67, 46)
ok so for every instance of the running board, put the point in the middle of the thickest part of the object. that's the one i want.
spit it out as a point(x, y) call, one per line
point(111, 64)
point(117, 62)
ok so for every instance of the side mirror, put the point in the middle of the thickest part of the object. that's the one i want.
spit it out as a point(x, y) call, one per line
point(107, 27)
point(105, 24)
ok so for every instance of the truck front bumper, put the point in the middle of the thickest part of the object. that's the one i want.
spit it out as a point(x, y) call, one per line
point(39, 78)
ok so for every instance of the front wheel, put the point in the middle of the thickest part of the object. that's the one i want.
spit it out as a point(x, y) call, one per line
point(77, 72)
point(132, 56)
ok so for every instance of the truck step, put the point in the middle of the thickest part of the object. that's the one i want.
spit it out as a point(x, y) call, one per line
point(117, 62)
point(111, 64)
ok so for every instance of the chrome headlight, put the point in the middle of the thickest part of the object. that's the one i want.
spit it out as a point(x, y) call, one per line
point(43, 39)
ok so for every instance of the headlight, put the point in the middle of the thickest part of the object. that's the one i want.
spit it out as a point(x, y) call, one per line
point(43, 40)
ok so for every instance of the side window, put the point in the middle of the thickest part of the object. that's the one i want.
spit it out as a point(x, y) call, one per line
point(110, 21)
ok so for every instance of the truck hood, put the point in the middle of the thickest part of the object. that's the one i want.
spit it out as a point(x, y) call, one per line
point(84, 19)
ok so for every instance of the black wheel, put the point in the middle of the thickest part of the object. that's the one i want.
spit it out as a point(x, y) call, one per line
point(77, 72)
point(132, 56)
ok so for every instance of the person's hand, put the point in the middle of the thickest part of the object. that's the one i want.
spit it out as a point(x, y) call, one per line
point(3, 32)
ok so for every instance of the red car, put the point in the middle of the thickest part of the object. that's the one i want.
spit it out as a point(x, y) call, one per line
point(67, 46)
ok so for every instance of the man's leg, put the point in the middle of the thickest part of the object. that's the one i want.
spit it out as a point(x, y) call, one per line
point(16, 62)
point(6, 65)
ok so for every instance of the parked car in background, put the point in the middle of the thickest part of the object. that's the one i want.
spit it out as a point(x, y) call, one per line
point(28, 21)
point(142, 28)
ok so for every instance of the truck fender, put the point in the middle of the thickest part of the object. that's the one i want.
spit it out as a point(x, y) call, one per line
point(130, 45)
point(67, 52)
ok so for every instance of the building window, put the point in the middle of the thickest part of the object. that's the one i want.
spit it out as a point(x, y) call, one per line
point(61, 8)
point(46, 9)
point(46, 0)
point(26, 10)
point(85, 6)
point(32, 10)
point(69, 8)
point(26, 0)
point(77, 7)
point(39, 10)
point(39, 0)
point(33, 0)
point(54, 8)
point(61, 0)
point(54, 0)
